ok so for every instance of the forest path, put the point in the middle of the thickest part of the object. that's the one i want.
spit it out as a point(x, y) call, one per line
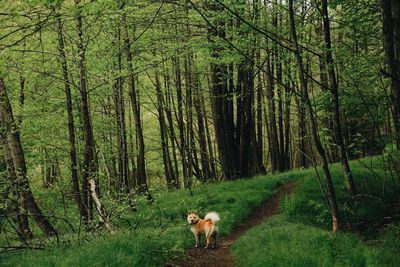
point(221, 257)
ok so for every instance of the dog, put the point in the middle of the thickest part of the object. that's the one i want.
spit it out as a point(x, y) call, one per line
point(208, 226)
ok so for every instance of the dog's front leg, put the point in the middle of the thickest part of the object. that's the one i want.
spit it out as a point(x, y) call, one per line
point(197, 236)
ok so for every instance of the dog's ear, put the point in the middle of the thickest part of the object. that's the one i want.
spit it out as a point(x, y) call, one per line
point(189, 212)
point(195, 212)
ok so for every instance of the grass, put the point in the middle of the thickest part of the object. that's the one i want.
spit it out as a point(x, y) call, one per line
point(282, 243)
point(301, 235)
point(158, 232)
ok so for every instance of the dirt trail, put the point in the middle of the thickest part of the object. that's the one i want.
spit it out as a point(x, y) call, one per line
point(220, 257)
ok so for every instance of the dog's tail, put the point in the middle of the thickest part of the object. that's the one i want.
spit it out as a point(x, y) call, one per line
point(213, 216)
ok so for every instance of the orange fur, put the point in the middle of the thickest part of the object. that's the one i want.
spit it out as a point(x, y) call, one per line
point(200, 226)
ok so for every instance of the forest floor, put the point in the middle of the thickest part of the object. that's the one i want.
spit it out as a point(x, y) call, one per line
point(221, 256)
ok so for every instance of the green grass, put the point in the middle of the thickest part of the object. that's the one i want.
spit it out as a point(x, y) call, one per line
point(282, 243)
point(159, 232)
point(301, 235)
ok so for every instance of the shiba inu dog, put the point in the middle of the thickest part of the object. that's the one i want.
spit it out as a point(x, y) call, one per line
point(207, 226)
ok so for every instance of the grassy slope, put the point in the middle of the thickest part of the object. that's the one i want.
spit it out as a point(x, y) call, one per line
point(300, 236)
point(162, 232)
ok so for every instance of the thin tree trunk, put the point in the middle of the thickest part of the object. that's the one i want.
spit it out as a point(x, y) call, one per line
point(103, 218)
point(89, 165)
point(314, 131)
point(270, 95)
point(211, 154)
point(123, 162)
point(351, 188)
point(172, 135)
point(168, 170)
point(190, 152)
point(204, 155)
point(141, 164)
point(71, 125)
point(181, 124)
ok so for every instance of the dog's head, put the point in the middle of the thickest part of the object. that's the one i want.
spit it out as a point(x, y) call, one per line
point(192, 217)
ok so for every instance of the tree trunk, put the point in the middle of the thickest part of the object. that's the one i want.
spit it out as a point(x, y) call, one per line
point(89, 162)
point(123, 162)
point(172, 136)
point(245, 122)
point(211, 154)
point(181, 124)
point(71, 124)
point(351, 188)
point(201, 120)
point(103, 218)
point(141, 164)
point(270, 95)
point(190, 150)
point(314, 131)
point(391, 30)
point(168, 170)
point(222, 114)
point(13, 148)
point(20, 216)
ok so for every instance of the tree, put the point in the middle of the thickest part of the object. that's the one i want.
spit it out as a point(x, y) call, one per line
point(391, 30)
point(89, 156)
point(351, 188)
point(141, 182)
point(17, 168)
point(71, 123)
point(330, 191)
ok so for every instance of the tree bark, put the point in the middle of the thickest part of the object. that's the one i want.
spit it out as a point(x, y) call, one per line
point(103, 218)
point(272, 129)
point(172, 136)
point(71, 124)
point(168, 170)
point(20, 215)
point(181, 124)
point(141, 182)
point(314, 131)
point(351, 188)
point(89, 162)
point(201, 131)
point(123, 162)
point(13, 148)
point(222, 113)
point(391, 31)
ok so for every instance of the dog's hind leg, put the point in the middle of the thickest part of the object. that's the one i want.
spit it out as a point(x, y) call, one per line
point(208, 237)
point(197, 240)
point(208, 242)
point(214, 237)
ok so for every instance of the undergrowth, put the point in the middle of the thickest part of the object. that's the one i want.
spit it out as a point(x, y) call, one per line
point(159, 231)
point(301, 235)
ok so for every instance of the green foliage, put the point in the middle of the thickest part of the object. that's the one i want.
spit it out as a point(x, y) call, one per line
point(289, 206)
point(302, 237)
point(299, 237)
point(389, 239)
point(376, 189)
point(157, 232)
point(282, 243)
point(322, 213)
